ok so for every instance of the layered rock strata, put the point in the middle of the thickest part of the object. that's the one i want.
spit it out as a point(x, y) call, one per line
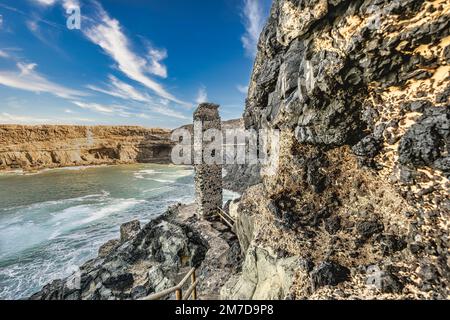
point(37, 147)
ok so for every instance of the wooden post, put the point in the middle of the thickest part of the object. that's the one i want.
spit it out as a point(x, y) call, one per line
point(194, 292)
point(178, 294)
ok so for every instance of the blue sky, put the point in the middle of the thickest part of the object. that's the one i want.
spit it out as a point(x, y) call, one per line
point(132, 62)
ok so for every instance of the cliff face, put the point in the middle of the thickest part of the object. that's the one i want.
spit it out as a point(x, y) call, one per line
point(359, 204)
point(36, 147)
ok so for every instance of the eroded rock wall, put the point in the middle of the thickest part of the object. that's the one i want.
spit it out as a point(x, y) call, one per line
point(36, 147)
point(359, 204)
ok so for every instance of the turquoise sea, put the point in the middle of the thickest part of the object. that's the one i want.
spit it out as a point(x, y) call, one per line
point(55, 220)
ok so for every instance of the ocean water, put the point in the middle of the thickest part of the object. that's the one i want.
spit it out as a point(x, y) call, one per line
point(53, 221)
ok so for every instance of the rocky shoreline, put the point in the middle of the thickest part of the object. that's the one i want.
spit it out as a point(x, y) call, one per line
point(153, 258)
point(359, 205)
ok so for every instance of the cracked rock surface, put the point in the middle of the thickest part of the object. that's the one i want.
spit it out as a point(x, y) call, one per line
point(358, 205)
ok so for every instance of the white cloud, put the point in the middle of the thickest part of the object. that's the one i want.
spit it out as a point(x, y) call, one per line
point(45, 2)
point(202, 95)
point(253, 15)
point(7, 118)
point(143, 116)
point(32, 25)
point(168, 112)
point(104, 109)
point(68, 4)
point(69, 111)
point(4, 54)
point(155, 58)
point(120, 89)
point(107, 33)
point(26, 78)
point(242, 89)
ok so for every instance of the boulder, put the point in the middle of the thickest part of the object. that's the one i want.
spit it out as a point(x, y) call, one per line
point(107, 248)
point(129, 230)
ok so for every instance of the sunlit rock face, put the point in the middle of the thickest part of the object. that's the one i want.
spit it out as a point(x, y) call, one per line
point(37, 147)
point(359, 204)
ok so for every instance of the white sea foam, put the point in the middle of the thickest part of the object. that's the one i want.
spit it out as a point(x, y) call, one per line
point(117, 206)
point(47, 239)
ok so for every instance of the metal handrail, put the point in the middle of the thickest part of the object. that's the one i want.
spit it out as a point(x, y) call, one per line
point(178, 289)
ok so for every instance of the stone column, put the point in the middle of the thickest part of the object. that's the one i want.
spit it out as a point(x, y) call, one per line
point(208, 177)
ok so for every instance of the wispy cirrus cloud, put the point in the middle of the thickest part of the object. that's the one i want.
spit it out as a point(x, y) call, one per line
point(253, 16)
point(156, 57)
point(66, 3)
point(107, 33)
point(120, 89)
point(27, 78)
point(45, 2)
point(116, 110)
point(168, 112)
point(4, 54)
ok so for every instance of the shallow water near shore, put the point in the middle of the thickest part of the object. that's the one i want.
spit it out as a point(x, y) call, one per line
point(53, 221)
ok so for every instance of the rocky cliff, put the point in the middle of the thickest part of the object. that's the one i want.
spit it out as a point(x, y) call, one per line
point(36, 147)
point(152, 258)
point(358, 206)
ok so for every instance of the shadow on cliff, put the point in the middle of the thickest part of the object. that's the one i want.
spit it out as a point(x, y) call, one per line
point(154, 149)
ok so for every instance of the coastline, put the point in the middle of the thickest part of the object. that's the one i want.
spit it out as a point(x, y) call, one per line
point(39, 147)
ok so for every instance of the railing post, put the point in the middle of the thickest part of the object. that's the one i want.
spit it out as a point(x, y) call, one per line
point(178, 294)
point(194, 292)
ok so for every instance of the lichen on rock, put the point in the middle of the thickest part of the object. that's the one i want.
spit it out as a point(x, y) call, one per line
point(360, 92)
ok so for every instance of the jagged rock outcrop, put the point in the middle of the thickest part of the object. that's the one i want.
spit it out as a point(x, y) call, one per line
point(358, 206)
point(37, 147)
point(153, 258)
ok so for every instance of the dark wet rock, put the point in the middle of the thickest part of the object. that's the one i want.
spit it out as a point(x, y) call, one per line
point(162, 246)
point(139, 292)
point(384, 280)
point(307, 264)
point(329, 274)
point(52, 291)
point(315, 177)
point(443, 97)
point(391, 244)
point(367, 147)
point(354, 79)
point(129, 230)
point(447, 54)
point(333, 224)
point(428, 140)
point(366, 229)
point(119, 281)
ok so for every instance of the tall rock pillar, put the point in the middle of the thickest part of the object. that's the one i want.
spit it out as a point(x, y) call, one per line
point(208, 176)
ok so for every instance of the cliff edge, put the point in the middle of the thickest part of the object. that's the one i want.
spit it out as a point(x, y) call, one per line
point(37, 147)
point(358, 206)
